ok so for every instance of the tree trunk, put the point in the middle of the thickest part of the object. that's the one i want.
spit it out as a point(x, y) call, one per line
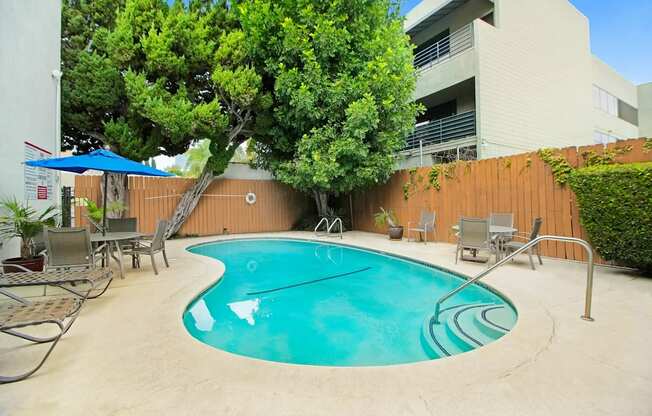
point(189, 201)
point(117, 191)
point(321, 199)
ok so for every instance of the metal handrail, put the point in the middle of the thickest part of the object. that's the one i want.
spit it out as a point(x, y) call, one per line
point(335, 221)
point(453, 44)
point(527, 246)
point(320, 223)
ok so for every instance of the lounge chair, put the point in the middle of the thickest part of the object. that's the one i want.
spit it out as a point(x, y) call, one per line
point(151, 247)
point(474, 235)
point(70, 253)
point(512, 246)
point(56, 311)
point(426, 223)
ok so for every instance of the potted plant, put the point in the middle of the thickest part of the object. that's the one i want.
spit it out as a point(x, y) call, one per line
point(22, 221)
point(387, 218)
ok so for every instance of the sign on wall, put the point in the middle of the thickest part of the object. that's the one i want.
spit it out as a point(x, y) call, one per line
point(39, 182)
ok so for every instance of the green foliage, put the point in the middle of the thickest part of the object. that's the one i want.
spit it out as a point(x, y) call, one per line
point(616, 211)
point(647, 146)
point(433, 176)
point(149, 78)
point(175, 170)
point(607, 157)
point(384, 218)
point(22, 221)
point(341, 78)
point(561, 169)
point(96, 213)
point(410, 187)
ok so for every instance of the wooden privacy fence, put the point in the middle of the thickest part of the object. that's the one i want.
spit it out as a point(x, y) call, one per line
point(221, 209)
point(522, 184)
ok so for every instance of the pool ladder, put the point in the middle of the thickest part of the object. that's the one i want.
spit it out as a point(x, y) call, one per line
point(528, 246)
point(328, 227)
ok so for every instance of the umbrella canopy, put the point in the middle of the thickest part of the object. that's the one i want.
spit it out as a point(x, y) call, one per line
point(102, 160)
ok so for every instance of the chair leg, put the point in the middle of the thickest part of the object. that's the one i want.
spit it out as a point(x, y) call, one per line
point(55, 340)
point(529, 254)
point(538, 250)
point(457, 251)
point(165, 259)
point(151, 255)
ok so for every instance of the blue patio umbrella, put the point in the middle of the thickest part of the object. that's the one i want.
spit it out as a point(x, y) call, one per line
point(101, 160)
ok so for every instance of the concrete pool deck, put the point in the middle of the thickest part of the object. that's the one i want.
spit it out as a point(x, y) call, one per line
point(129, 353)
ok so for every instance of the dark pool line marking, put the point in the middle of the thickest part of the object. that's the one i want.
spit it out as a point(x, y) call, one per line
point(308, 282)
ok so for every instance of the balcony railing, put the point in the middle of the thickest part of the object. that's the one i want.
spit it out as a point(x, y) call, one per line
point(443, 130)
point(445, 49)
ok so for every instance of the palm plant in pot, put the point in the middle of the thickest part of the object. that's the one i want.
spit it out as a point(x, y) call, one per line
point(19, 220)
point(388, 218)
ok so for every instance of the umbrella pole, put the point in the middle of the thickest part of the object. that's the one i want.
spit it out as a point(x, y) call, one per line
point(106, 191)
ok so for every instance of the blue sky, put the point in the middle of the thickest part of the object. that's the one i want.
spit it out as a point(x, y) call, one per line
point(621, 34)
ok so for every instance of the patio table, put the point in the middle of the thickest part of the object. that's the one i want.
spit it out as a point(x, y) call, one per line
point(114, 239)
point(495, 230)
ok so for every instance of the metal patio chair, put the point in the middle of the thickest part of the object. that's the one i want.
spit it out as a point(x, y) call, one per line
point(70, 253)
point(151, 247)
point(503, 220)
point(120, 225)
point(512, 246)
point(474, 235)
point(59, 311)
point(426, 223)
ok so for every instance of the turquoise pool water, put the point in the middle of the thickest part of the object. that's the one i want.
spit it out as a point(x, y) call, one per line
point(317, 303)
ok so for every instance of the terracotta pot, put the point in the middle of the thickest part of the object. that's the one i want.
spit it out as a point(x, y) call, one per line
point(395, 233)
point(34, 264)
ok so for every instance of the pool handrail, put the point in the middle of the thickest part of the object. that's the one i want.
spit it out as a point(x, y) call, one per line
point(324, 219)
point(527, 246)
point(337, 220)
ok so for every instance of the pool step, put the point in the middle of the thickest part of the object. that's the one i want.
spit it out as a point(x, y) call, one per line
point(465, 327)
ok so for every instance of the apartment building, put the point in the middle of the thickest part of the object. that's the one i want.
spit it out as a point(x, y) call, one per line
point(30, 38)
point(508, 76)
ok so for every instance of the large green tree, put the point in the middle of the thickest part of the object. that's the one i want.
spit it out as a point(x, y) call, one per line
point(341, 76)
point(154, 78)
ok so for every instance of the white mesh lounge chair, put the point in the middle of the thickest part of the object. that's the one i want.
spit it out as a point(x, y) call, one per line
point(474, 235)
point(426, 224)
point(151, 247)
point(59, 311)
point(512, 246)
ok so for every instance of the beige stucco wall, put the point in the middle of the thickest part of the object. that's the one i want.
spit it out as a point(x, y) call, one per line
point(611, 81)
point(30, 33)
point(446, 74)
point(645, 109)
point(533, 84)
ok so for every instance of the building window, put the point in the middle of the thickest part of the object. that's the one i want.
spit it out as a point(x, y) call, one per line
point(604, 138)
point(604, 101)
point(614, 106)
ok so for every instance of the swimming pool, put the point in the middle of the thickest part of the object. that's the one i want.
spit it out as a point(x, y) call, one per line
point(318, 303)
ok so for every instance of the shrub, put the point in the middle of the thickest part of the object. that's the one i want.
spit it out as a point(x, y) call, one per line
point(616, 210)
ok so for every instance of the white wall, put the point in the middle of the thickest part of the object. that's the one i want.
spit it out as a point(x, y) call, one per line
point(30, 32)
point(645, 109)
point(533, 87)
point(609, 80)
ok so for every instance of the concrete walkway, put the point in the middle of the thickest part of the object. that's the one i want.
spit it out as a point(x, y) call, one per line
point(129, 353)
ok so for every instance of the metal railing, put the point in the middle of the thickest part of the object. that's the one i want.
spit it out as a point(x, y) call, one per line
point(443, 130)
point(337, 220)
point(326, 228)
point(528, 246)
point(453, 44)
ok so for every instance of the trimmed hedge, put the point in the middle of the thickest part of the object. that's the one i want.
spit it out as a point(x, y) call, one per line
point(615, 204)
